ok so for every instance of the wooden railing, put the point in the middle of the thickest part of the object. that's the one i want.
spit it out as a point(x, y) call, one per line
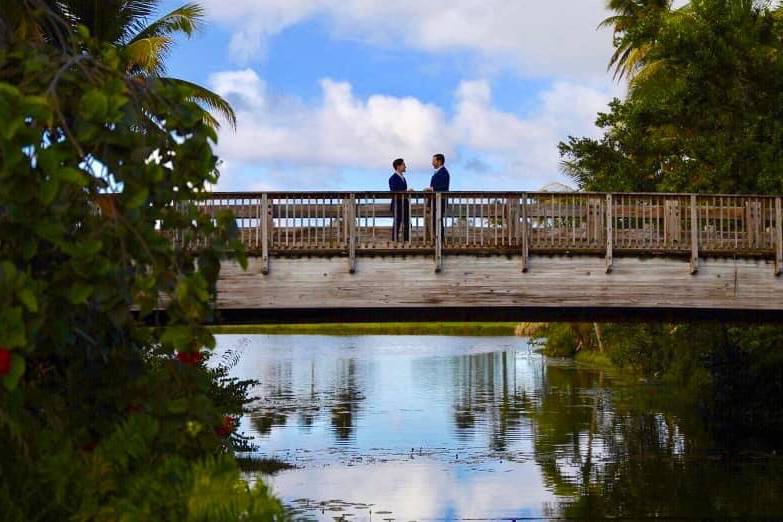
point(521, 223)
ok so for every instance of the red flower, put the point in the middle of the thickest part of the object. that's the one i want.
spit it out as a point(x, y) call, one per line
point(5, 360)
point(225, 429)
point(134, 407)
point(190, 358)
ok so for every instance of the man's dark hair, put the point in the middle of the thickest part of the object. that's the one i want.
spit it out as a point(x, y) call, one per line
point(440, 157)
point(396, 163)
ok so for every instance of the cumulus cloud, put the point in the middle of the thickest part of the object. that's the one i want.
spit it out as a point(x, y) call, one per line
point(556, 37)
point(525, 148)
point(341, 131)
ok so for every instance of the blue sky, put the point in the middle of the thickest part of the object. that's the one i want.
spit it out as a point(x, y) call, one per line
point(328, 93)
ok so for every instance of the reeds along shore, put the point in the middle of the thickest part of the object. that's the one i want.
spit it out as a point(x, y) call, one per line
point(439, 328)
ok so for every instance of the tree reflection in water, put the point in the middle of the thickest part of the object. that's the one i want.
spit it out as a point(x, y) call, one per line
point(280, 398)
point(602, 448)
point(346, 399)
point(611, 450)
point(487, 392)
point(614, 452)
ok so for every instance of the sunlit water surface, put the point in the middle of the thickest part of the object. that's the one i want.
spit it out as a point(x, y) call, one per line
point(423, 428)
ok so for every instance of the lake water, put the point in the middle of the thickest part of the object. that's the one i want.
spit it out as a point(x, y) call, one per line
point(444, 428)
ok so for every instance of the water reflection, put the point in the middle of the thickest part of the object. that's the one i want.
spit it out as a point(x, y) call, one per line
point(347, 397)
point(430, 427)
point(487, 394)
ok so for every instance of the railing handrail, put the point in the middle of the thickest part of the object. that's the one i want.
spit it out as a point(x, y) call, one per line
point(521, 222)
point(479, 193)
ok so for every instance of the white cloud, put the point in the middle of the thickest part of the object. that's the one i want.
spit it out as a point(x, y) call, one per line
point(556, 37)
point(341, 131)
point(314, 144)
point(525, 148)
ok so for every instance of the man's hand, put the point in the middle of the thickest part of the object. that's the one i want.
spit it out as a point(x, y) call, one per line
point(428, 189)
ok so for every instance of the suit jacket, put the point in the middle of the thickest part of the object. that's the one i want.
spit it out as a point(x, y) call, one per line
point(397, 184)
point(440, 180)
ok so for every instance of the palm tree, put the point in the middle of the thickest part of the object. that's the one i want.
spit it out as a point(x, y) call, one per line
point(635, 25)
point(125, 24)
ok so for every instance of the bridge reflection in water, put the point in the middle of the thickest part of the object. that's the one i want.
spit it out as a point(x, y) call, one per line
point(330, 253)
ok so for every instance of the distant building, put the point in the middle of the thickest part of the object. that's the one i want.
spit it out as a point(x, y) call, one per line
point(556, 187)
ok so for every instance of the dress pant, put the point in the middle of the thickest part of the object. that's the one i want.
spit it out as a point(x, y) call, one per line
point(401, 211)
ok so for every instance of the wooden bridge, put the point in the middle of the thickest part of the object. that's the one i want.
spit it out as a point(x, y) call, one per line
point(326, 256)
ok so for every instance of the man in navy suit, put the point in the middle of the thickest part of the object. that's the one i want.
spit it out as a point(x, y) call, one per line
point(439, 183)
point(440, 179)
point(399, 204)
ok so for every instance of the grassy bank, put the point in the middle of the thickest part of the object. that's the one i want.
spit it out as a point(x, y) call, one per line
point(467, 329)
point(268, 466)
point(595, 360)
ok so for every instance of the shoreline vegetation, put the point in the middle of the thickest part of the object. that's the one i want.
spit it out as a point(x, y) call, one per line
point(484, 329)
point(265, 465)
point(538, 332)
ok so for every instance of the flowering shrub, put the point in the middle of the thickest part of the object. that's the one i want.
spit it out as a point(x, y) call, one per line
point(99, 419)
point(190, 358)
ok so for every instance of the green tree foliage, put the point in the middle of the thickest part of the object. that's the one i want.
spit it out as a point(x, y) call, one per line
point(142, 44)
point(703, 113)
point(101, 417)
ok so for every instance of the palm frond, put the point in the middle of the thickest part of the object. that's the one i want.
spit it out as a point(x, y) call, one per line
point(210, 121)
point(212, 102)
point(146, 55)
point(108, 20)
point(617, 23)
point(186, 19)
point(647, 73)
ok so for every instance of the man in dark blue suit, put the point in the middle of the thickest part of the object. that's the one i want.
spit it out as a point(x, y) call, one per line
point(439, 183)
point(399, 204)
point(440, 179)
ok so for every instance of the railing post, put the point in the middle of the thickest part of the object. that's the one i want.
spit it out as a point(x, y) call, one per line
point(409, 225)
point(524, 231)
point(350, 217)
point(438, 233)
point(264, 234)
point(778, 237)
point(694, 235)
point(609, 233)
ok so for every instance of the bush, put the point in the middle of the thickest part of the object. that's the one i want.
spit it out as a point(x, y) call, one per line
point(566, 339)
point(101, 417)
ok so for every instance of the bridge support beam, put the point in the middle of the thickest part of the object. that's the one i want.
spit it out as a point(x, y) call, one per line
point(609, 233)
point(524, 239)
point(476, 282)
point(778, 237)
point(350, 219)
point(264, 224)
point(694, 235)
point(438, 233)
